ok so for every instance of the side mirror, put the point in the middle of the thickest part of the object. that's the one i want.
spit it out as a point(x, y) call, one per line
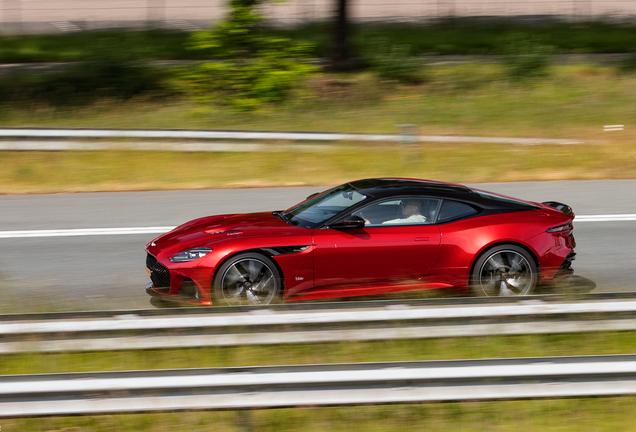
point(312, 195)
point(350, 222)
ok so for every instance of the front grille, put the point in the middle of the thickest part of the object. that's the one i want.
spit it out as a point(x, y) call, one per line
point(159, 275)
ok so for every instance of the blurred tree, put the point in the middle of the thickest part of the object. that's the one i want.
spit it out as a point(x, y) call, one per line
point(253, 69)
point(341, 60)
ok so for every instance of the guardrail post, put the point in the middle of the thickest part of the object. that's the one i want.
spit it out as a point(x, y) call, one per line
point(244, 421)
point(409, 138)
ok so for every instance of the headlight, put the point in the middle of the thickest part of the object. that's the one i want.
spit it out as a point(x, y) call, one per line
point(190, 255)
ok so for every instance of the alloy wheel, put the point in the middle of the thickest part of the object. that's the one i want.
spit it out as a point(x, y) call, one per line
point(249, 281)
point(506, 272)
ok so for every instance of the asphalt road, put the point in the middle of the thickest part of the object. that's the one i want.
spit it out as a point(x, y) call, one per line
point(108, 272)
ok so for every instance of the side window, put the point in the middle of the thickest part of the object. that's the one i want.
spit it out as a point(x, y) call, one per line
point(403, 211)
point(452, 210)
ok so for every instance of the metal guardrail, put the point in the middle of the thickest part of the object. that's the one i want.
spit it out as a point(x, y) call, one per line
point(315, 385)
point(43, 139)
point(281, 325)
point(323, 306)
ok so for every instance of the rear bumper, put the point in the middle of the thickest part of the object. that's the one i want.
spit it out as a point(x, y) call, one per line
point(565, 269)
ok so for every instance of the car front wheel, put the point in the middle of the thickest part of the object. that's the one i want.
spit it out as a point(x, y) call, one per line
point(505, 270)
point(248, 279)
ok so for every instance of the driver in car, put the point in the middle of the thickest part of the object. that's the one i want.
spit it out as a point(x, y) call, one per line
point(410, 211)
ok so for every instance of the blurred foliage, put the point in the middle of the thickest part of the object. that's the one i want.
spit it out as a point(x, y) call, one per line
point(93, 45)
point(114, 72)
point(256, 65)
point(450, 37)
point(527, 58)
point(84, 83)
point(394, 62)
point(252, 69)
point(477, 37)
point(474, 99)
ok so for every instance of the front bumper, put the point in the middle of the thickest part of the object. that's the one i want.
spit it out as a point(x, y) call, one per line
point(178, 282)
point(186, 298)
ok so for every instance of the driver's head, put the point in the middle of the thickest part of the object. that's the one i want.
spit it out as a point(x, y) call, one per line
point(410, 207)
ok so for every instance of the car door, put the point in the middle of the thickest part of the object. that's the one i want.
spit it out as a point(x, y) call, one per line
point(382, 254)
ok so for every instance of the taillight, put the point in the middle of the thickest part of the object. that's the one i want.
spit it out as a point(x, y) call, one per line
point(561, 228)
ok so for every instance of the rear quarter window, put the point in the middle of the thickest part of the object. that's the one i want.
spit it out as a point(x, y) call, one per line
point(453, 210)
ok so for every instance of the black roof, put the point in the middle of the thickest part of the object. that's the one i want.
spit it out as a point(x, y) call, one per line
point(388, 187)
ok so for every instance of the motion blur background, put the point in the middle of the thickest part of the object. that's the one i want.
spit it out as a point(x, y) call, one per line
point(535, 99)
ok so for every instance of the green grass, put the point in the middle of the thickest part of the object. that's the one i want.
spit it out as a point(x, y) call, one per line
point(67, 47)
point(345, 352)
point(465, 36)
point(49, 172)
point(449, 37)
point(474, 99)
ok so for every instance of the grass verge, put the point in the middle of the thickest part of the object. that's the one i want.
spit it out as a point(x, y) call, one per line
point(574, 102)
point(50, 172)
point(344, 352)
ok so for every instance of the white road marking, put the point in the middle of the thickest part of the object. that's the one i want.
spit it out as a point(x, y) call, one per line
point(84, 232)
point(163, 229)
point(609, 128)
point(605, 218)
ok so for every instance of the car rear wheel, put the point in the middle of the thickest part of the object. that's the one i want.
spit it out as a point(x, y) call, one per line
point(248, 279)
point(505, 270)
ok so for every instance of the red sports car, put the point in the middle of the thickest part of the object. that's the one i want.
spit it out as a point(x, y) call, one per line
point(366, 237)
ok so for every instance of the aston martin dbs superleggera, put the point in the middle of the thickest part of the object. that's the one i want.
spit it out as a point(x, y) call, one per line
point(367, 237)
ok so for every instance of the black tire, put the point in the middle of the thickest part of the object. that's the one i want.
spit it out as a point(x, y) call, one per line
point(504, 270)
point(248, 279)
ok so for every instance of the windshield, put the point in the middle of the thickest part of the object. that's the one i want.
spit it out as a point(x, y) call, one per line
point(314, 212)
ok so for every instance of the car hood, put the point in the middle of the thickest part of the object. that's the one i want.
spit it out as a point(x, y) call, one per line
point(217, 228)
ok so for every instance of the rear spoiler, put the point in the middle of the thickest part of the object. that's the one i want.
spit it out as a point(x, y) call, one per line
point(564, 208)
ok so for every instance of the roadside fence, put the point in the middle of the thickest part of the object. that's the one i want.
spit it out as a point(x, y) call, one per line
point(48, 16)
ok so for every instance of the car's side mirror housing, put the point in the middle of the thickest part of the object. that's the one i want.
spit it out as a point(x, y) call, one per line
point(312, 195)
point(351, 221)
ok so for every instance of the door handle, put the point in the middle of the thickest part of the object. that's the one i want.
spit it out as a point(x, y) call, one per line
point(422, 238)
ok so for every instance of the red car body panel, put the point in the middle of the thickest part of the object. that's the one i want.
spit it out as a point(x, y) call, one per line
point(338, 262)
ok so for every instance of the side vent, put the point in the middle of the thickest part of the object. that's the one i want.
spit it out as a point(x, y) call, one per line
point(286, 250)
